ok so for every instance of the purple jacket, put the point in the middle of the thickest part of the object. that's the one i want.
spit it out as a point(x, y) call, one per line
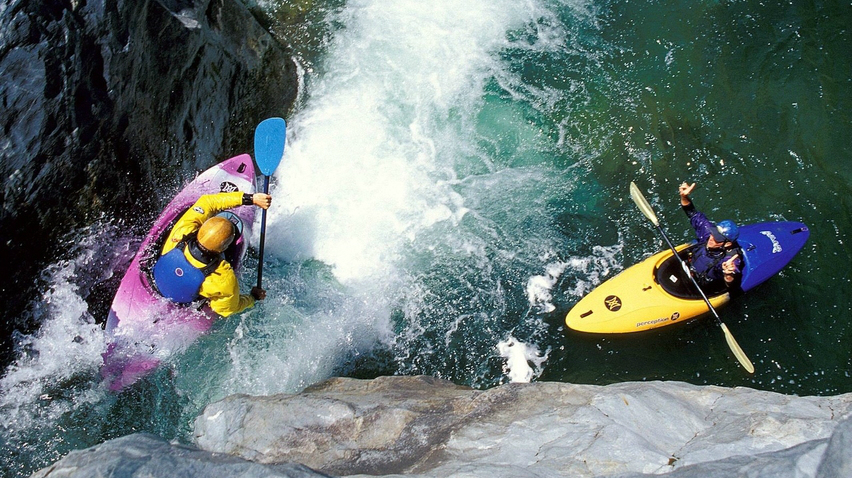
point(706, 263)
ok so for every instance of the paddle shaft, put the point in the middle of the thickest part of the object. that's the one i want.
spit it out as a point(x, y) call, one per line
point(729, 337)
point(262, 236)
point(688, 272)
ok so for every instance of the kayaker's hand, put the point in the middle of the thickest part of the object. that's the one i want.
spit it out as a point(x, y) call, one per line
point(685, 190)
point(261, 200)
point(729, 268)
point(258, 293)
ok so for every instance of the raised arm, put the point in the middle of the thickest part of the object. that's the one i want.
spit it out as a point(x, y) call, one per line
point(685, 190)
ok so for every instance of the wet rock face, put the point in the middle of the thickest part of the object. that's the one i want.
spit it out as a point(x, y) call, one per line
point(143, 455)
point(427, 427)
point(106, 102)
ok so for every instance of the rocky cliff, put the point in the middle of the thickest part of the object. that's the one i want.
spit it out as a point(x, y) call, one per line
point(423, 427)
point(106, 101)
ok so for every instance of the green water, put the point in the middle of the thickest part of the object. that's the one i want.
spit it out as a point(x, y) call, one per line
point(751, 101)
point(456, 177)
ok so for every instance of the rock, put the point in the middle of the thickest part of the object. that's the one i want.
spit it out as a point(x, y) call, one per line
point(424, 426)
point(339, 426)
point(837, 462)
point(106, 102)
point(147, 456)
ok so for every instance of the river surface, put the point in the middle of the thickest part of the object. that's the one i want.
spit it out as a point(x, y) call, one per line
point(456, 178)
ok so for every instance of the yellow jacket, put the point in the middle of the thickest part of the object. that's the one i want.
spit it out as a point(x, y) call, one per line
point(220, 287)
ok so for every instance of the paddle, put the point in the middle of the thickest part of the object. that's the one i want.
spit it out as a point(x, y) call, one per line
point(645, 207)
point(269, 138)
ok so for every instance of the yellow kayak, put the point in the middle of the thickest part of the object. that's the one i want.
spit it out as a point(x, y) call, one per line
point(634, 300)
point(656, 292)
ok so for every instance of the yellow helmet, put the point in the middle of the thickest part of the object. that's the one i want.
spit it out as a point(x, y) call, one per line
point(216, 234)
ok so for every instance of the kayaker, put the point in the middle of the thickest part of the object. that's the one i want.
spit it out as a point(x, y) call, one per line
point(192, 261)
point(719, 259)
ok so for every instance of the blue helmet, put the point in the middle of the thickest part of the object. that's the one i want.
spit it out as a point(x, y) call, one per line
point(725, 231)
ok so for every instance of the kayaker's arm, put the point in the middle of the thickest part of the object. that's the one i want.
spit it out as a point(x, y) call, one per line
point(222, 287)
point(685, 202)
point(204, 208)
point(223, 291)
point(208, 206)
point(699, 222)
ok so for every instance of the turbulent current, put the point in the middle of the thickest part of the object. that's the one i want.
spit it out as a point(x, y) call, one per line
point(456, 178)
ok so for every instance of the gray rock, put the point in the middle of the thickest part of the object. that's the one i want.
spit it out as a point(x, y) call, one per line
point(420, 426)
point(388, 425)
point(797, 461)
point(147, 456)
point(837, 462)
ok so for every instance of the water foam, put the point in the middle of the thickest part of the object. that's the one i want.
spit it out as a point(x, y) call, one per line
point(523, 361)
point(56, 369)
point(369, 187)
point(591, 270)
point(539, 288)
point(371, 157)
point(68, 342)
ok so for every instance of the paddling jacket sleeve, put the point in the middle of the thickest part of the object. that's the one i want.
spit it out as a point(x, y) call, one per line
point(223, 291)
point(698, 221)
point(206, 207)
point(221, 286)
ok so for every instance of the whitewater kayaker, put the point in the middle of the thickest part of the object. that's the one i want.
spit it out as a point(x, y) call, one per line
point(718, 258)
point(192, 262)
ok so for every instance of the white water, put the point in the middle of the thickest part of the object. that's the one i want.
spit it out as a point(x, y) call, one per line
point(370, 183)
point(68, 343)
point(56, 371)
point(371, 159)
point(523, 361)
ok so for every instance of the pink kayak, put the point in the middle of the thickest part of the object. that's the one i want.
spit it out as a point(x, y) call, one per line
point(144, 328)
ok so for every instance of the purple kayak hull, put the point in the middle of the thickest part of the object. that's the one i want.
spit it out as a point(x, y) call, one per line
point(144, 328)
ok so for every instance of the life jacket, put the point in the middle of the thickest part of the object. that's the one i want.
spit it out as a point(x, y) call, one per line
point(178, 279)
point(704, 263)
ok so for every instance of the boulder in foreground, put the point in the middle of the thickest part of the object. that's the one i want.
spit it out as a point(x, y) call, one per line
point(425, 426)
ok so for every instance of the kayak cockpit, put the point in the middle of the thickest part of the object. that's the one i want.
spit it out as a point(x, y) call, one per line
point(151, 254)
point(669, 274)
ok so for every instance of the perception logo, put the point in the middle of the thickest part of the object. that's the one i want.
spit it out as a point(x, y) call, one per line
point(613, 303)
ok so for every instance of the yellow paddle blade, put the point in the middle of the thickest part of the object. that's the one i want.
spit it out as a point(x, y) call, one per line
point(642, 203)
point(735, 348)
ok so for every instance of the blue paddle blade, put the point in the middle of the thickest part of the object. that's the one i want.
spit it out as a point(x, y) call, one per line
point(269, 138)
